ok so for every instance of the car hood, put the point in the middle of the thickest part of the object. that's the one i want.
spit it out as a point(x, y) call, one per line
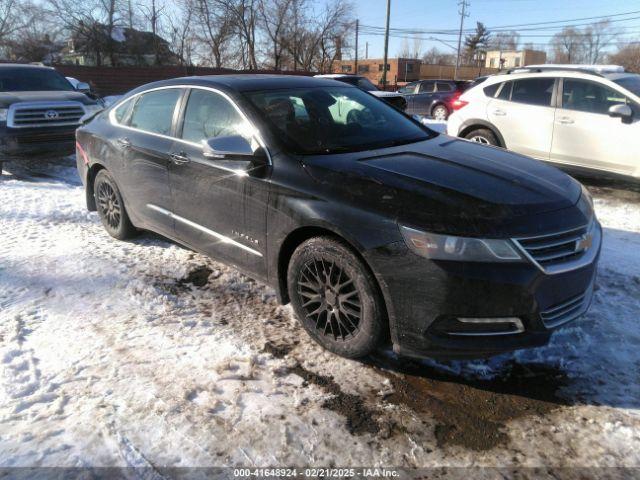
point(8, 98)
point(447, 184)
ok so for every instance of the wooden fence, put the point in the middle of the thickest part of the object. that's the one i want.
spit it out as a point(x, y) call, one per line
point(118, 80)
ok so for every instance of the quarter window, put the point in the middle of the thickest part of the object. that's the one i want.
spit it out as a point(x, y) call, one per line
point(533, 91)
point(491, 90)
point(444, 87)
point(505, 92)
point(210, 115)
point(122, 113)
point(153, 112)
point(589, 96)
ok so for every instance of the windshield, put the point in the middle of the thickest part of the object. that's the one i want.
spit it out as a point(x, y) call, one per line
point(324, 120)
point(29, 79)
point(631, 83)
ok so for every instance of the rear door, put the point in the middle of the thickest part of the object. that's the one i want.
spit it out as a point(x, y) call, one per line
point(218, 207)
point(421, 100)
point(584, 133)
point(145, 142)
point(523, 113)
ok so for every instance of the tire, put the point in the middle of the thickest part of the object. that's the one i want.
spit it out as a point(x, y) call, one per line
point(336, 298)
point(110, 206)
point(440, 112)
point(482, 135)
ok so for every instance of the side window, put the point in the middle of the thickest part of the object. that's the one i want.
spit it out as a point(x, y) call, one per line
point(505, 91)
point(210, 115)
point(590, 97)
point(444, 87)
point(426, 87)
point(533, 91)
point(409, 88)
point(491, 90)
point(122, 113)
point(153, 112)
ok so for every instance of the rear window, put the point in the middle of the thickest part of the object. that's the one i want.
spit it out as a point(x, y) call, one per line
point(533, 91)
point(491, 90)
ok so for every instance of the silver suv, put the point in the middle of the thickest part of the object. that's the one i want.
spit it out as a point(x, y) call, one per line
point(587, 117)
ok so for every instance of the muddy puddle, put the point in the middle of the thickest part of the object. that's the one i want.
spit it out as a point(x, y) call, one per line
point(473, 413)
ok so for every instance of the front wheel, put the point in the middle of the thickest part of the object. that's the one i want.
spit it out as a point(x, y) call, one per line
point(336, 297)
point(110, 206)
point(482, 135)
point(440, 112)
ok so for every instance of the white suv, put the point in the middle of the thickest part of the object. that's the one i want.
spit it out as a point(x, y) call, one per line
point(568, 116)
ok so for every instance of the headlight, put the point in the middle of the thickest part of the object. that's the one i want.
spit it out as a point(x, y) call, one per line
point(3, 114)
point(463, 249)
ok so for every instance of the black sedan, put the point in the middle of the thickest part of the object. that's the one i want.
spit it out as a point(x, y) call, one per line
point(369, 223)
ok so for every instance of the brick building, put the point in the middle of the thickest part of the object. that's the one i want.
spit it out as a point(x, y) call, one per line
point(399, 70)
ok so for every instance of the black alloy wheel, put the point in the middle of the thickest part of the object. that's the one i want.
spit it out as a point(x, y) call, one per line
point(336, 298)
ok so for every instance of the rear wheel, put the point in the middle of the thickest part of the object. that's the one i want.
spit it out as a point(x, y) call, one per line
point(482, 135)
point(440, 112)
point(110, 206)
point(336, 298)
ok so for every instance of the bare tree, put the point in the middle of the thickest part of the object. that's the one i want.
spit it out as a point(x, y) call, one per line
point(181, 33)
point(597, 38)
point(11, 19)
point(214, 30)
point(274, 18)
point(434, 56)
point(37, 38)
point(568, 46)
point(153, 13)
point(628, 56)
point(505, 41)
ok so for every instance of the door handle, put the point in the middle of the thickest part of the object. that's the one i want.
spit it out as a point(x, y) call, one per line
point(565, 120)
point(500, 113)
point(124, 142)
point(179, 158)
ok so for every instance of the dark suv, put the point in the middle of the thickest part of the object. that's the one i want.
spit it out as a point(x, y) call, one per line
point(434, 98)
point(39, 112)
point(369, 223)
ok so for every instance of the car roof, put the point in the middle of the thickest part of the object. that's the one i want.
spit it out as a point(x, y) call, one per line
point(246, 82)
point(337, 75)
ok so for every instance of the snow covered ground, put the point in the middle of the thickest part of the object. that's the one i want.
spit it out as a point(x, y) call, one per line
point(143, 353)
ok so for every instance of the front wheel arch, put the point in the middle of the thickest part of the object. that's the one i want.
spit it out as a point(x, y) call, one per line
point(468, 128)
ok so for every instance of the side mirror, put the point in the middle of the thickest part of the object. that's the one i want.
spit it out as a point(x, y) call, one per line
point(621, 111)
point(83, 87)
point(237, 147)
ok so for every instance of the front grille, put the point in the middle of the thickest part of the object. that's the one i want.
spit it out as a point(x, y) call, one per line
point(44, 114)
point(557, 249)
point(566, 311)
point(46, 138)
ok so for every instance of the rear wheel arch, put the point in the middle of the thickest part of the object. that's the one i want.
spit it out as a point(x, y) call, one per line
point(468, 127)
point(91, 178)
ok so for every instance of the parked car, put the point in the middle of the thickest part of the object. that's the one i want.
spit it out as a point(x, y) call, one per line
point(363, 83)
point(433, 98)
point(575, 117)
point(370, 224)
point(39, 112)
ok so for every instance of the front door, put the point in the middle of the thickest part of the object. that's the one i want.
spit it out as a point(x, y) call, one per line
point(218, 207)
point(585, 135)
point(523, 113)
point(145, 142)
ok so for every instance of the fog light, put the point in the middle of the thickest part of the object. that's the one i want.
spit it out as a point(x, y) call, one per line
point(465, 326)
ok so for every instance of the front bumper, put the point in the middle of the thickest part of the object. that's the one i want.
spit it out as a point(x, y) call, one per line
point(427, 298)
point(18, 144)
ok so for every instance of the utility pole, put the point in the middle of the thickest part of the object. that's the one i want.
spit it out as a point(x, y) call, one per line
point(355, 67)
point(366, 50)
point(463, 13)
point(386, 47)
